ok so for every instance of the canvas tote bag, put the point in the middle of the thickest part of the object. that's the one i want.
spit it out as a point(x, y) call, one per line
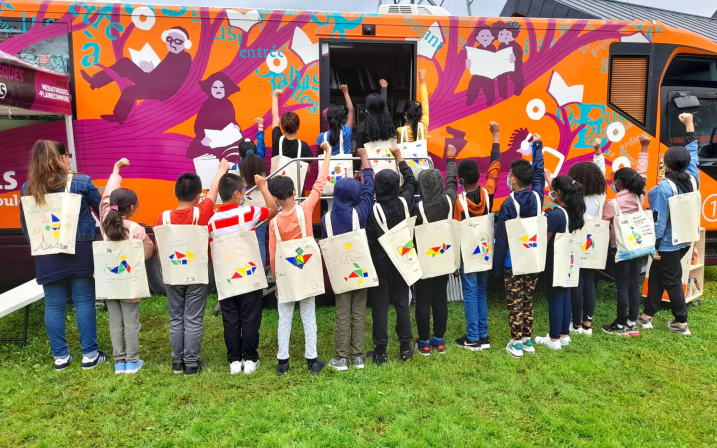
point(237, 262)
point(634, 233)
point(52, 227)
point(527, 240)
point(279, 161)
point(183, 251)
point(299, 273)
point(381, 149)
point(120, 272)
point(410, 220)
point(414, 149)
point(566, 256)
point(399, 247)
point(595, 242)
point(685, 211)
point(348, 258)
point(340, 166)
point(477, 238)
point(438, 244)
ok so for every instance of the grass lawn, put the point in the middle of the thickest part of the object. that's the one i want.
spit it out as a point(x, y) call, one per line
point(656, 390)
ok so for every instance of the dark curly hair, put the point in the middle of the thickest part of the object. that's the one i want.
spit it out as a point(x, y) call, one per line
point(290, 123)
point(588, 174)
point(379, 124)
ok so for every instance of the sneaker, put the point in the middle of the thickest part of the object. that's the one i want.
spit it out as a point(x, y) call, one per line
point(91, 363)
point(676, 328)
point(120, 367)
point(235, 367)
point(378, 358)
point(587, 331)
point(177, 366)
point(546, 341)
point(62, 363)
point(358, 362)
point(528, 346)
point(646, 324)
point(424, 350)
point(515, 348)
point(282, 368)
point(339, 364)
point(468, 344)
point(439, 346)
point(407, 355)
point(613, 328)
point(632, 331)
point(193, 368)
point(133, 367)
point(484, 343)
point(565, 341)
point(316, 367)
point(250, 366)
point(574, 330)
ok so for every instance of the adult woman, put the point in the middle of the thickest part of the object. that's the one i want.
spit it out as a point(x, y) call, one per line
point(63, 274)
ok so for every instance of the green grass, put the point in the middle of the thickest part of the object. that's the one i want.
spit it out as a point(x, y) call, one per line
point(657, 390)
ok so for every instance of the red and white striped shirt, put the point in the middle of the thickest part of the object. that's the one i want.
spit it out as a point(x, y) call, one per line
point(226, 219)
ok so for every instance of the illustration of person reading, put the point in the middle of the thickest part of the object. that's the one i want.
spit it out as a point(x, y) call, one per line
point(507, 32)
point(478, 82)
point(152, 79)
point(216, 129)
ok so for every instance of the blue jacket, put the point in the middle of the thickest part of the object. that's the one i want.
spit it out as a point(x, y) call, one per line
point(91, 197)
point(658, 198)
point(347, 133)
point(349, 195)
point(526, 200)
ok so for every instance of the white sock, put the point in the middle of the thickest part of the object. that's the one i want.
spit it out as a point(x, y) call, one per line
point(622, 326)
point(62, 360)
point(629, 323)
point(87, 359)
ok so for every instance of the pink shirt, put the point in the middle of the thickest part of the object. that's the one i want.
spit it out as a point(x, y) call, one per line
point(627, 201)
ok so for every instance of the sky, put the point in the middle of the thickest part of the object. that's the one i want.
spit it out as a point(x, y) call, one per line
point(455, 7)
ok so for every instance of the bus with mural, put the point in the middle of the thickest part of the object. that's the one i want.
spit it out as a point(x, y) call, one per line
point(136, 75)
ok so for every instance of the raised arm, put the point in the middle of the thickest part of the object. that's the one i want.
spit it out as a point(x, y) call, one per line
point(260, 183)
point(491, 177)
point(214, 189)
point(538, 167)
point(275, 120)
point(644, 156)
point(598, 158)
point(260, 143)
point(367, 192)
point(424, 101)
point(409, 181)
point(113, 183)
point(318, 187)
point(350, 106)
point(692, 146)
point(451, 179)
point(384, 90)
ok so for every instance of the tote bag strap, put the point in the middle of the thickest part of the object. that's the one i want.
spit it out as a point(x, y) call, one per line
point(486, 198)
point(618, 212)
point(567, 227)
point(355, 225)
point(327, 224)
point(404, 135)
point(276, 230)
point(195, 216)
point(423, 214)
point(673, 186)
point(380, 217)
point(464, 204)
point(693, 181)
point(281, 145)
point(517, 206)
point(537, 203)
point(132, 227)
point(341, 140)
point(302, 222)
point(602, 207)
point(450, 207)
point(165, 218)
point(420, 131)
point(405, 207)
point(68, 185)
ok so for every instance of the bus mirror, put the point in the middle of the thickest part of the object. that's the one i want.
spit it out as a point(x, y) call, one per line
point(686, 101)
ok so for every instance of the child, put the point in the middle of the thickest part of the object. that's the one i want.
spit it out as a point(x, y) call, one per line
point(523, 179)
point(629, 186)
point(666, 268)
point(416, 113)
point(283, 192)
point(241, 314)
point(290, 123)
point(592, 178)
point(254, 166)
point(376, 103)
point(247, 146)
point(335, 114)
point(350, 306)
point(568, 194)
point(391, 287)
point(117, 206)
point(186, 303)
point(475, 284)
point(431, 292)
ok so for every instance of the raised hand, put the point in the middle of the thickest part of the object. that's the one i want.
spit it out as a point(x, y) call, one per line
point(121, 163)
point(277, 93)
point(224, 166)
point(344, 89)
point(537, 138)
point(383, 83)
point(422, 76)
point(259, 121)
point(260, 181)
point(451, 151)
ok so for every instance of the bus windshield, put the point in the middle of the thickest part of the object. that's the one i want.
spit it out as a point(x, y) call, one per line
point(705, 118)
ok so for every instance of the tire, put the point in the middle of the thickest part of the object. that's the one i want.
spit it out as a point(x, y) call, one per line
point(156, 282)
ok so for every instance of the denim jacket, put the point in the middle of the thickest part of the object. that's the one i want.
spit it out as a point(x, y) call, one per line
point(91, 197)
point(659, 204)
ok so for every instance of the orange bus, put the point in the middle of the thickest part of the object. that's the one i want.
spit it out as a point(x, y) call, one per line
point(135, 74)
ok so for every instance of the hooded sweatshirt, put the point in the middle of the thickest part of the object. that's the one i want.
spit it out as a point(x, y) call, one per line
point(433, 196)
point(387, 194)
point(475, 199)
point(349, 195)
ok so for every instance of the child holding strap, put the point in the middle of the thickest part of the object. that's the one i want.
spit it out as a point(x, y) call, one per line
point(118, 205)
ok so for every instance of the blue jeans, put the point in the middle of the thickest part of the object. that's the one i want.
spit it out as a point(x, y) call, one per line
point(475, 303)
point(261, 236)
point(83, 296)
point(559, 311)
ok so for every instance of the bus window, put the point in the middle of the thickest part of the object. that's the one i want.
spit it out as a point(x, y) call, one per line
point(691, 71)
point(51, 54)
point(705, 117)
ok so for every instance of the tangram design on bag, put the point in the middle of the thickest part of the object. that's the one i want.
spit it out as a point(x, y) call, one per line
point(406, 249)
point(589, 243)
point(335, 175)
point(483, 248)
point(247, 270)
point(572, 264)
point(635, 238)
point(358, 273)
point(123, 266)
point(530, 241)
point(440, 250)
point(179, 258)
point(53, 224)
point(300, 259)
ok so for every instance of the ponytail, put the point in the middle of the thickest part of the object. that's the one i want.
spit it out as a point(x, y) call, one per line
point(334, 116)
point(121, 200)
point(630, 180)
point(572, 194)
point(414, 112)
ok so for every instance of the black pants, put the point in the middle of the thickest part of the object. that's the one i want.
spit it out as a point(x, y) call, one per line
point(666, 275)
point(582, 298)
point(242, 318)
point(390, 289)
point(627, 281)
point(431, 294)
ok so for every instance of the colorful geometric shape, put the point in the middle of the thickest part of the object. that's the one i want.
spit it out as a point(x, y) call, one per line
point(406, 248)
point(178, 258)
point(54, 225)
point(635, 238)
point(530, 241)
point(122, 267)
point(484, 249)
point(358, 273)
point(589, 243)
point(440, 250)
point(246, 271)
point(300, 259)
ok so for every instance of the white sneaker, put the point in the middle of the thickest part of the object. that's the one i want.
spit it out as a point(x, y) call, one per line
point(515, 348)
point(587, 331)
point(528, 346)
point(235, 367)
point(574, 330)
point(555, 345)
point(565, 341)
point(250, 367)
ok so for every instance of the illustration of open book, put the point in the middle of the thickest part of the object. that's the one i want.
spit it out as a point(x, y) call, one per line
point(146, 54)
point(224, 137)
point(488, 64)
